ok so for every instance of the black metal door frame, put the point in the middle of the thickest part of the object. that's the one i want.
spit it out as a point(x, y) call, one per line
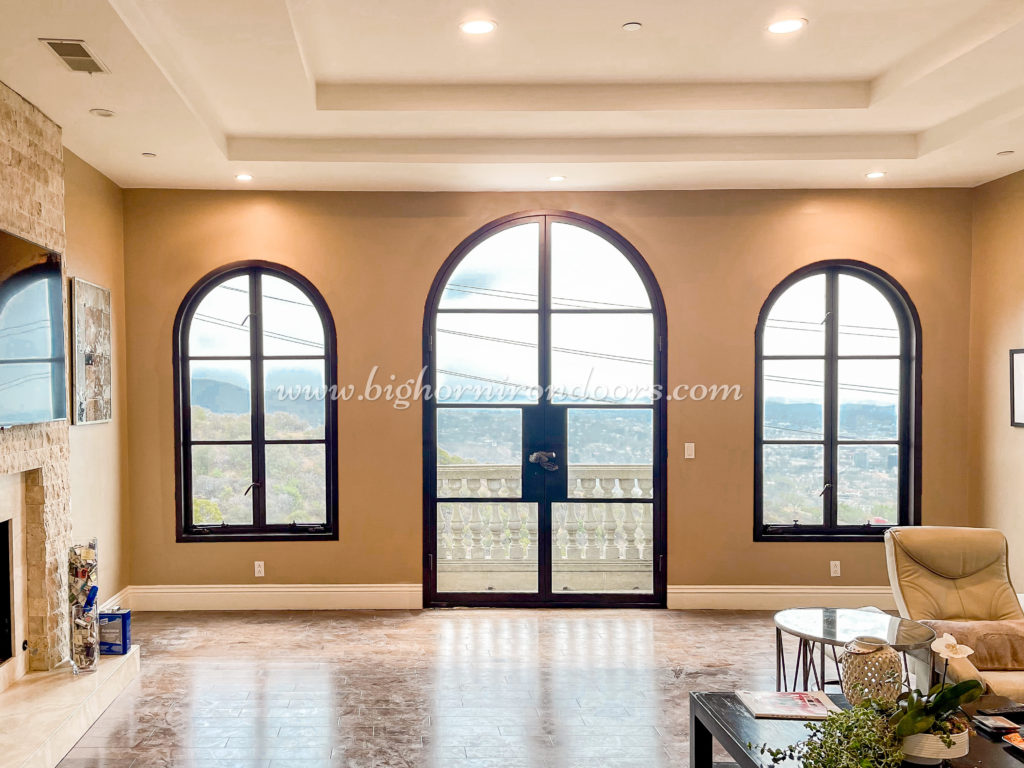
point(544, 429)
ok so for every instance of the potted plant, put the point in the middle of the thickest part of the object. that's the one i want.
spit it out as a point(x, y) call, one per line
point(918, 728)
point(932, 726)
point(859, 737)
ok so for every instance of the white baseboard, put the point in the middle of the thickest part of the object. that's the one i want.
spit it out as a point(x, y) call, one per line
point(775, 597)
point(333, 597)
point(121, 599)
point(272, 597)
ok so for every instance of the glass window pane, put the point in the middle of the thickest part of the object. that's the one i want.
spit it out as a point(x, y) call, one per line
point(295, 399)
point(588, 272)
point(486, 358)
point(486, 547)
point(220, 476)
point(602, 358)
point(611, 453)
point(221, 399)
point(296, 484)
point(291, 324)
point(796, 322)
point(793, 479)
point(602, 548)
point(868, 484)
point(794, 398)
point(869, 393)
point(220, 324)
point(480, 452)
point(867, 323)
point(31, 392)
point(499, 273)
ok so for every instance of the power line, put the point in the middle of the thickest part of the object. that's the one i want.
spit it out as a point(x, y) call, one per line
point(269, 334)
point(532, 297)
point(567, 350)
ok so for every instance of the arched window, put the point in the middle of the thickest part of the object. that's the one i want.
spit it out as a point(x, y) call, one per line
point(256, 426)
point(837, 409)
point(544, 446)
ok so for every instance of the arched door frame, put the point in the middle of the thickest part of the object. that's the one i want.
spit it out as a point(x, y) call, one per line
point(660, 449)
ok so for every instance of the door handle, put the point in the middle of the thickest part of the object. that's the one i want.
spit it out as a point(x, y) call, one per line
point(545, 459)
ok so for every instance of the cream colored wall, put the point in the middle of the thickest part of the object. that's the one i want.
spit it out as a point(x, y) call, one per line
point(374, 255)
point(94, 220)
point(997, 326)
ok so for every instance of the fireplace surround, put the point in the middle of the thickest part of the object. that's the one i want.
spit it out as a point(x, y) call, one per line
point(32, 207)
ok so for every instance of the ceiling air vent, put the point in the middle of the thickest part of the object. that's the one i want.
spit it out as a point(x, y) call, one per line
point(75, 55)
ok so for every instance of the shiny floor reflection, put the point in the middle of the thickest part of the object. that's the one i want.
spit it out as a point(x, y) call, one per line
point(455, 688)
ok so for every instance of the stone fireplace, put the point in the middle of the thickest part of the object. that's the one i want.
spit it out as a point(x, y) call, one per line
point(32, 207)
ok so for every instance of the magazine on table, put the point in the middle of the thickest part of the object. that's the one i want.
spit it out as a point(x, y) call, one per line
point(795, 705)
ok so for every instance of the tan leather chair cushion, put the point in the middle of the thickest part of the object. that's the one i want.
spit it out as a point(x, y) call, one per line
point(956, 574)
point(998, 645)
point(1009, 684)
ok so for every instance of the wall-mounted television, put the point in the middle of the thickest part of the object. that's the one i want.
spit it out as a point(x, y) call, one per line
point(33, 379)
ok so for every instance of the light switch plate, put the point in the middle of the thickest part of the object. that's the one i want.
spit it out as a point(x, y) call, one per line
point(688, 451)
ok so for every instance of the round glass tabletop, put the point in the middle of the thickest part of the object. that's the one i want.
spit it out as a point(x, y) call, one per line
point(838, 626)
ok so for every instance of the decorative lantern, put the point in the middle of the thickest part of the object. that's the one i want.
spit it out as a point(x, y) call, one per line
point(871, 670)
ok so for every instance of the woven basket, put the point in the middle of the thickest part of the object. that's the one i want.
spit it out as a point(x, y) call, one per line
point(871, 670)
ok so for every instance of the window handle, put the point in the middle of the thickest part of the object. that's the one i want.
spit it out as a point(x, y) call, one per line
point(251, 486)
point(822, 491)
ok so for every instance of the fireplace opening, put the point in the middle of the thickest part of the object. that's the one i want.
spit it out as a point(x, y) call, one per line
point(6, 594)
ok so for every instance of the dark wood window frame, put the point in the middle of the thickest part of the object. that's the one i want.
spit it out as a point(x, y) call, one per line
point(187, 531)
point(909, 427)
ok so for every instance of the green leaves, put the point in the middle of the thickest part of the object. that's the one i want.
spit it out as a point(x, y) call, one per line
point(860, 737)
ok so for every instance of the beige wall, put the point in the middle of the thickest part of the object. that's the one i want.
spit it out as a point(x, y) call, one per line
point(997, 326)
point(99, 472)
point(373, 256)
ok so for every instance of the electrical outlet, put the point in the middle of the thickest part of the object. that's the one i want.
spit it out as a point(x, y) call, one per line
point(833, 567)
point(260, 572)
point(688, 451)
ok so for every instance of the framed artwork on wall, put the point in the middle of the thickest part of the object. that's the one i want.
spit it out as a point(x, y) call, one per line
point(90, 319)
point(1017, 387)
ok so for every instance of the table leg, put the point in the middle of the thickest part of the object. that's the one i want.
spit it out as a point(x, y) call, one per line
point(779, 673)
point(821, 667)
point(701, 745)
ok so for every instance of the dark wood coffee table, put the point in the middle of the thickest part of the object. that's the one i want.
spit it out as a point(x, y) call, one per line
point(722, 717)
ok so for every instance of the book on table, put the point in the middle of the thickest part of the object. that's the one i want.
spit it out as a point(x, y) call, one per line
point(788, 705)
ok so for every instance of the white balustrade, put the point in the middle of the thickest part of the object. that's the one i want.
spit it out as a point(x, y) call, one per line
point(499, 528)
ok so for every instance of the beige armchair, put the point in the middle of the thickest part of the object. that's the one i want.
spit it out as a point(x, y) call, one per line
point(940, 574)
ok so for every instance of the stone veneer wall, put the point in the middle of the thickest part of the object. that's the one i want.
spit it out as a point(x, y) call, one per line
point(32, 207)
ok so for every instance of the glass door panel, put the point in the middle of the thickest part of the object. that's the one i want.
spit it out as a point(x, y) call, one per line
point(487, 547)
point(601, 548)
point(611, 453)
point(479, 453)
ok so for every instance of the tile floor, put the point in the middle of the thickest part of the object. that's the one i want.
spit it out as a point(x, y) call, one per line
point(453, 688)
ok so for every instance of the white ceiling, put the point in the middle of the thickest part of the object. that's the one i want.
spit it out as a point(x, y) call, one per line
point(389, 94)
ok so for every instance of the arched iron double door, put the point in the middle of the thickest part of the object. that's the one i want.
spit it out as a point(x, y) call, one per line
point(544, 436)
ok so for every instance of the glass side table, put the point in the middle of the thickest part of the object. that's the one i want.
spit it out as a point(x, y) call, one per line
point(819, 628)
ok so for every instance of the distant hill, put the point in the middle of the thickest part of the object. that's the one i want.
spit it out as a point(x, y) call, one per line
point(863, 420)
point(223, 397)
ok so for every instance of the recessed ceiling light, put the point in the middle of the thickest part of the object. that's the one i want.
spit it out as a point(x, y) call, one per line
point(478, 26)
point(786, 26)
point(556, 178)
point(243, 177)
point(632, 26)
point(149, 154)
point(1005, 153)
point(875, 175)
point(100, 112)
